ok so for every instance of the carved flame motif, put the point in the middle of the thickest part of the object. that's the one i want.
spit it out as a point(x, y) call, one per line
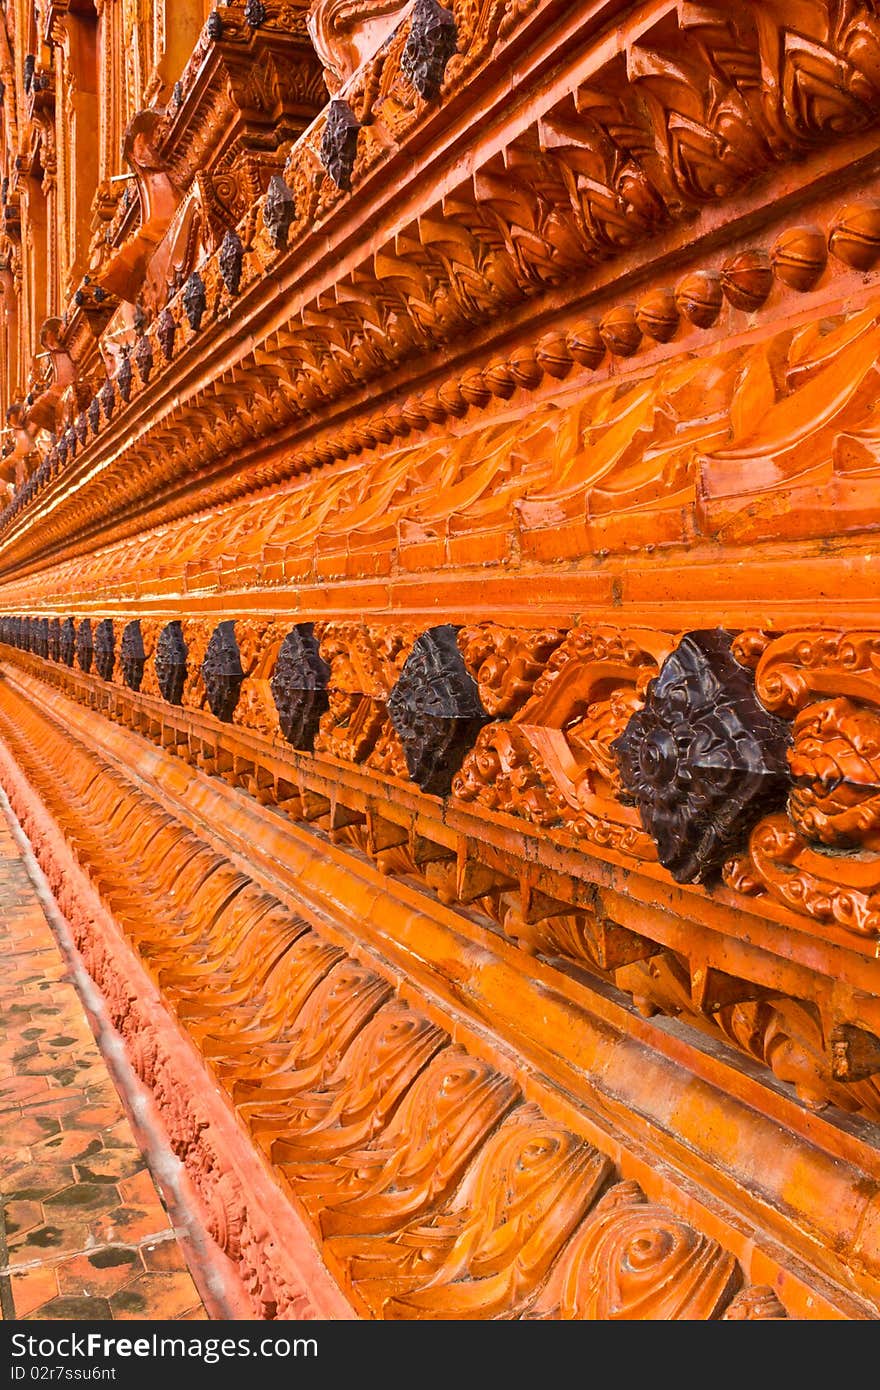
point(703, 759)
point(634, 1261)
point(435, 708)
point(484, 1254)
point(299, 686)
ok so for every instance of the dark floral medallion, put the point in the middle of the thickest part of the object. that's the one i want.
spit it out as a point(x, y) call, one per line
point(299, 686)
point(703, 760)
point(132, 657)
point(105, 649)
point(170, 662)
point(339, 143)
point(432, 40)
point(222, 672)
point(436, 710)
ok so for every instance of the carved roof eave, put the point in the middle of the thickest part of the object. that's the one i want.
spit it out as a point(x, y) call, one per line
point(221, 69)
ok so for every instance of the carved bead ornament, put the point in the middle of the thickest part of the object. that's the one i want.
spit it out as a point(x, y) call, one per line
point(703, 760)
point(436, 710)
point(299, 686)
point(431, 42)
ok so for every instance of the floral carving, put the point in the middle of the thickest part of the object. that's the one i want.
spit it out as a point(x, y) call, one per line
point(435, 708)
point(230, 260)
point(194, 300)
point(132, 657)
point(703, 760)
point(279, 211)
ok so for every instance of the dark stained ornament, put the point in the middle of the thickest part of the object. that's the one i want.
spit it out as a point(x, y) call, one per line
point(432, 40)
point(108, 398)
point(166, 328)
point(214, 26)
point(67, 642)
point(436, 710)
point(94, 414)
point(132, 657)
point(299, 686)
point(40, 636)
point(170, 662)
point(55, 638)
point(81, 427)
point(221, 671)
point(703, 760)
point(339, 143)
point(85, 647)
point(230, 260)
point(143, 358)
point(195, 300)
point(279, 210)
point(255, 13)
point(104, 643)
point(124, 378)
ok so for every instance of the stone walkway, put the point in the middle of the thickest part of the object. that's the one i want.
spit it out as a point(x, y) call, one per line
point(83, 1232)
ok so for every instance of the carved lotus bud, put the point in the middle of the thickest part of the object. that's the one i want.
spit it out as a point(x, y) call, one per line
point(222, 671)
point(703, 760)
point(747, 279)
point(132, 657)
point(279, 211)
point(799, 255)
point(553, 356)
point(299, 686)
point(143, 358)
point(170, 662)
point(525, 368)
point(499, 377)
point(699, 297)
point(452, 398)
point(855, 235)
point(166, 328)
point(85, 648)
point(657, 315)
point(104, 643)
point(436, 710)
point(413, 413)
point(382, 429)
point(619, 330)
point(585, 344)
point(474, 387)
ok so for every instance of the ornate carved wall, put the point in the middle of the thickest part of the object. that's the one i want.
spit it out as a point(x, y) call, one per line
point(440, 652)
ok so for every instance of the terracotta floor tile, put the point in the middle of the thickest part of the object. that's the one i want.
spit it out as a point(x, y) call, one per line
point(52, 1238)
point(20, 1217)
point(73, 1309)
point(31, 1288)
point(165, 1256)
point(128, 1224)
point(100, 1274)
point(155, 1296)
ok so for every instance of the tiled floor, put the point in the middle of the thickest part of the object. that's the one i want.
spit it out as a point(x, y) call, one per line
point(83, 1233)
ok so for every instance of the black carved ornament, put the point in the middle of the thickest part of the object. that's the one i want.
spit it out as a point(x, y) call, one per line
point(40, 636)
point(339, 143)
point(222, 672)
point(104, 643)
point(67, 642)
point(299, 686)
point(432, 40)
point(230, 260)
point(166, 328)
point(143, 358)
point(436, 710)
point(195, 300)
point(108, 398)
point(132, 657)
point(255, 13)
point(124, 378)
point(94, 414)
point(55, 638)
point(81, 428)
point(279, 210)
point(170, 662)
point(214, 26)
point(703, 760)
point(85, 647)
